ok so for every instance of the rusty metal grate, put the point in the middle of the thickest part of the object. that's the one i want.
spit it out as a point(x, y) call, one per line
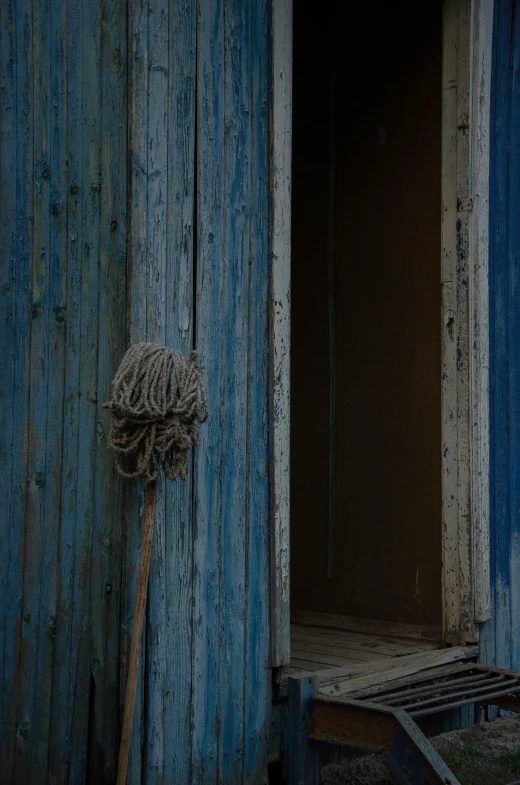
point(448, 688)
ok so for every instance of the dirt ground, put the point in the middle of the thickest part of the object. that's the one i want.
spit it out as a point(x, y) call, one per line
point(483, 754)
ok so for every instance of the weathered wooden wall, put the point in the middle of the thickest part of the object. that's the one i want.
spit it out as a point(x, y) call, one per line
point(134, 205)
point(500, 639)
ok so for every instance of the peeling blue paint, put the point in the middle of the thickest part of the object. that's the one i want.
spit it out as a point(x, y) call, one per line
point(501, 635)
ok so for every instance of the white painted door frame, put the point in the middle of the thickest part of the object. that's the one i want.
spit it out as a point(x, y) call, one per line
point(467, 43)
point(467, 39)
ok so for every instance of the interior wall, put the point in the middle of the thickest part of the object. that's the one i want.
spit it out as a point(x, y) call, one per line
point(387, 551)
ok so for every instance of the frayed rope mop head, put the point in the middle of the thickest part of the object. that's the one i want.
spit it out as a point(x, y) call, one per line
point(158, 403)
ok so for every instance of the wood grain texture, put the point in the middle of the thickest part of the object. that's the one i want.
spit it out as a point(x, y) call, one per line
point(500, 636)
point(156, 274)
point(303, 755)
point(208, 503)
point(101, 248)
point(17, 229)
point(370, 626)
point(177, 634)
point(281, 158)
point(482, 48)
point(39, 578)
point(60, 319)
point(257, 671)
point(334, 682)
point(108, 491)
point(458, 611)
point(137, 307)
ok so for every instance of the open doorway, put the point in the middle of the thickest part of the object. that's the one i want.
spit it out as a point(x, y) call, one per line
point(366, 501)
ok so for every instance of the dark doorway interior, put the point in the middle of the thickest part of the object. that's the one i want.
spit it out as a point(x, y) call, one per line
point(366, 195)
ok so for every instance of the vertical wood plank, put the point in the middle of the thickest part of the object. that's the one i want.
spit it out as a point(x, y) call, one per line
point(110, 347)
point(498, 644)
point(7, 260)
point(137, 320)
point(88, 253)
point(281, 43)
point(72, 652)
point(513, 256)
point(466, 620)
point(449, 403)
point(208, 502)
point(156, 281)
point(55, 159)
point(457, 580)
point(482, 37)
point(17, 147)
point(178, 537)
point(230, 342)
point(257, 674)
point(303, 755)
point(38, 581)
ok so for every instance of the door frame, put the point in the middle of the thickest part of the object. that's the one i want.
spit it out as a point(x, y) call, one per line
point(467, 48)
point(467, 43)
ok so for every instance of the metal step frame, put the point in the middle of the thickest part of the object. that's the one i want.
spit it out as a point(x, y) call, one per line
point(382, 718)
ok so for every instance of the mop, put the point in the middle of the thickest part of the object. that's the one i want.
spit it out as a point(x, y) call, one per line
point(158, 403)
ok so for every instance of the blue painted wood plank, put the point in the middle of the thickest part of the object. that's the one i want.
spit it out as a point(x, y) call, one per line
point(87, 221)
point(513, 254)
point(497, 640)
point(208, 504)
point(156, 281)
point(38, 584)
point(8, 141)
point(56, 321)
point(303, 755)
point(107, 509)
point(178, 539)
point(7, 257)
point(137, 331)
point(68, 624)
point(501, 363)
point(257, 674)
point(16, 145)
point(230, 341)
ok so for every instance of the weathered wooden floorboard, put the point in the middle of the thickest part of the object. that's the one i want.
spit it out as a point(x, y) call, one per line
point(301, 635)
point(300, 648)
point(178, 539)
point(257, 673)
point(342, 680)
point(209, 480)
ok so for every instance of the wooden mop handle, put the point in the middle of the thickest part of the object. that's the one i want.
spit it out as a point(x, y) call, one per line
point(137, 631)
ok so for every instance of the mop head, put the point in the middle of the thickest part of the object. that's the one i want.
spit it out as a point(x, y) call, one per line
point(158, 403)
